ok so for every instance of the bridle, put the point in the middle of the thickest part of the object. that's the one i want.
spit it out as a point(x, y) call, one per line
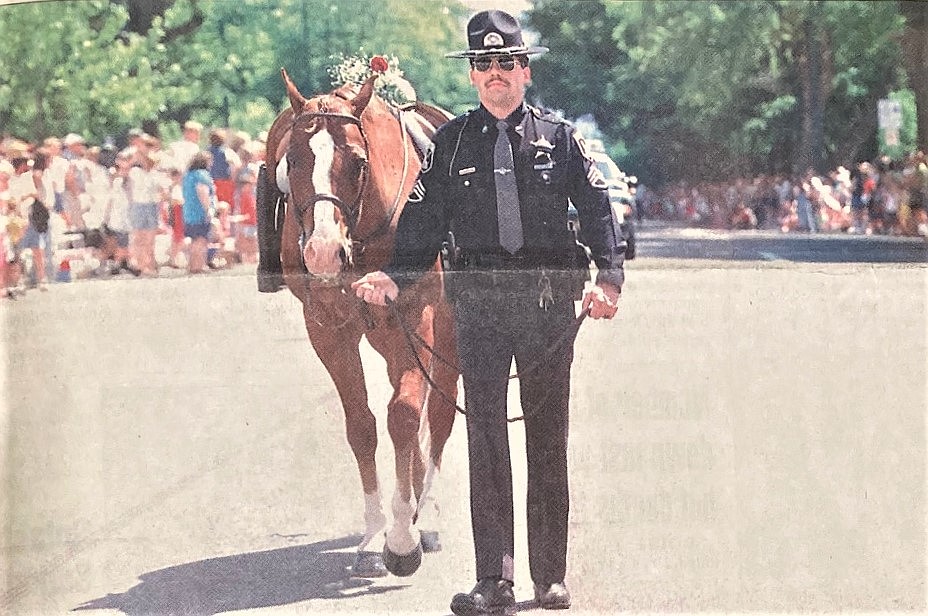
point(352, 214)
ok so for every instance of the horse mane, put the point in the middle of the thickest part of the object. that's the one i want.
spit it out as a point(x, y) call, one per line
point(436, 116)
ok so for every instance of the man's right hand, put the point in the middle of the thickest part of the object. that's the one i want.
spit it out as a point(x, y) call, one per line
point(375, 288)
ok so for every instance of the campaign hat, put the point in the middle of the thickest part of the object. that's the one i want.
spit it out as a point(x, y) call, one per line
point(495, 33)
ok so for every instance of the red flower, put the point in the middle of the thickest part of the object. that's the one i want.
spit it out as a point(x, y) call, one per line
point(379, 64)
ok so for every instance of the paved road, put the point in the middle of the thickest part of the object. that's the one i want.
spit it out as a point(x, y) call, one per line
point(745, 436)
point(664, 240)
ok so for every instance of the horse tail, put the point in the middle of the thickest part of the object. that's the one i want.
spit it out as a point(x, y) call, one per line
point(440, 409)
point(270, 208)
point(270, 217)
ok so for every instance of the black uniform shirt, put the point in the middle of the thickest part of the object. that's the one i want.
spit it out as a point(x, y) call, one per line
point(456, 192)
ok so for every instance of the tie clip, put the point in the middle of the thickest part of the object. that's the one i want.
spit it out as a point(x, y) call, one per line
point(467, 171)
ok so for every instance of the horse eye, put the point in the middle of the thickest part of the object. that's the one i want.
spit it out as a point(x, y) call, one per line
point(358, 153)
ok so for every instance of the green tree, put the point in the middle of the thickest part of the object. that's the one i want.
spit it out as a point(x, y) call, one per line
point(64, 67)
point(914, 41)
point(711, 89)
point(101, 67)
point(416, 33)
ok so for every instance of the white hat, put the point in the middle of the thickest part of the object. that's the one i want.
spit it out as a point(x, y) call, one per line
point(72, 139)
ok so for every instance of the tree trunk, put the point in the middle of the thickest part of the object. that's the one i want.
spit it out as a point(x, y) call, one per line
point(39, 124)
point(914, 43)
point(814, 63)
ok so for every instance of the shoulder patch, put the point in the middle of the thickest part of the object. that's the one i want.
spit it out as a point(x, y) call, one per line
point(581, 145)
point(418, 192)
point(429, 158)
point(596, 178)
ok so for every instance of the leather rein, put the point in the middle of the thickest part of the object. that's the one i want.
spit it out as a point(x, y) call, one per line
point(413, 339)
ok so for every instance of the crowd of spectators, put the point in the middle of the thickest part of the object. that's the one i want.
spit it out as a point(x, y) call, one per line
point(69, 210)
point(881, 197)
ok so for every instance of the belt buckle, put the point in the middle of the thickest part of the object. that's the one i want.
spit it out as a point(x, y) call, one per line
point(545, 294)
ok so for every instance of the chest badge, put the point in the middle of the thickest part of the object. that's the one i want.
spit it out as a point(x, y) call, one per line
point(543, 150)
point(542, 144)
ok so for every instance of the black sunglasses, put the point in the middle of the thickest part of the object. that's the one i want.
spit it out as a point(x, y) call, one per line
point(505, 63)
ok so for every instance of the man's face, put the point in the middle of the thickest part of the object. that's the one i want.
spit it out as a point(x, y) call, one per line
point(497, 87)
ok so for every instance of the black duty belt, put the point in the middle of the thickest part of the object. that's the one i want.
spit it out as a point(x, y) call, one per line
point(471, 260)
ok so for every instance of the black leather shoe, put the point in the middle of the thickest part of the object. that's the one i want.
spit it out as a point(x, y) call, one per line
point(552, 596)
point(489, 596)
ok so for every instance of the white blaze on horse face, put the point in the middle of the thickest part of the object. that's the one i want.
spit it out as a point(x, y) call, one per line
point(323, 148)
point(324, 245)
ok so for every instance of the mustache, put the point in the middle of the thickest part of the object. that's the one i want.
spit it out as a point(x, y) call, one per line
point(497, 80)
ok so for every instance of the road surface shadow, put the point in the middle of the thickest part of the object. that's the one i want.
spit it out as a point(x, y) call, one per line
point(260, 579)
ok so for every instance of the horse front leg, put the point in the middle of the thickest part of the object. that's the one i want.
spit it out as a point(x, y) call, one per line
point(403, 547)
point(342, 360)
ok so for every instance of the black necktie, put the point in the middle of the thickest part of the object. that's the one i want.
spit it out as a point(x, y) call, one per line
point(507, 194)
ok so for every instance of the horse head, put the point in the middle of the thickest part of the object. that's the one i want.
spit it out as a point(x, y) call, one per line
point(327, 171)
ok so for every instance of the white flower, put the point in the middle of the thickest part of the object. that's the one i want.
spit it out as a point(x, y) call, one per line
point(391, 86)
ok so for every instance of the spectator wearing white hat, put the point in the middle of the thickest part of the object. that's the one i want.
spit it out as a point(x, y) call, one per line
point(76, 177)
point(147, 189)
point(74, 146)
point(182, 151)
point(28, 195)
point(57, 169)
point(116, 216)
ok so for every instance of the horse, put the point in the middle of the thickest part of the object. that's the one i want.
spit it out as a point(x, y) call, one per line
point(344, 163)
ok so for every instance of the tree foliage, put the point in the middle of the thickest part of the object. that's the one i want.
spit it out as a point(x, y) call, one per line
point(713, 89)
point(102, 67)
point(682, 89)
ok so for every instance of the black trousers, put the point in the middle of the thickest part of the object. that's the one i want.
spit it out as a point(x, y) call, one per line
point(496, 322)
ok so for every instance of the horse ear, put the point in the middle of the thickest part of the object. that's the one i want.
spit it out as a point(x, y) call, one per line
point(364, 96)
point(297, 100)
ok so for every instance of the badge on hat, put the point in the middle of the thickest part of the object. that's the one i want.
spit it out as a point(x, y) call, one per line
point(493, 39)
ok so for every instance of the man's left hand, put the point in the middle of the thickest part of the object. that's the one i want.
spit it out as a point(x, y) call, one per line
point(602, 301)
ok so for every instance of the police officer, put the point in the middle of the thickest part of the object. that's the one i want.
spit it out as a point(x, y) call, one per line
point(498, 178)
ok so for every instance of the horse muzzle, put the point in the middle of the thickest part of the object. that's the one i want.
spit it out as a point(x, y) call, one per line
point(326, 258)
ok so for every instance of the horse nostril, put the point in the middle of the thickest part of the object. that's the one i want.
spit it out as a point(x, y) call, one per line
point(345, 255)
